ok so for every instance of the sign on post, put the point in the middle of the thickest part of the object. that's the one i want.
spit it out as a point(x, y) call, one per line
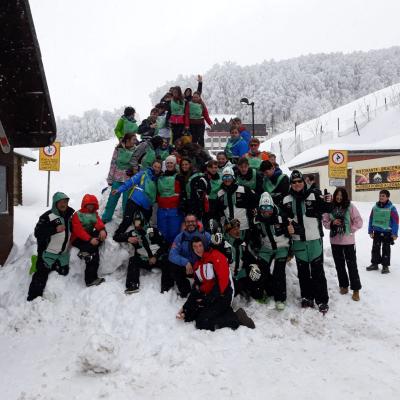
point(49, 157)
point(338, 163)
point(49, 160)
point(338, 182)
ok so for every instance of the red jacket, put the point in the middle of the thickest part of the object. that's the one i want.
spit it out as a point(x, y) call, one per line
point(78, 230)
point(212, 269)
point(188, 121)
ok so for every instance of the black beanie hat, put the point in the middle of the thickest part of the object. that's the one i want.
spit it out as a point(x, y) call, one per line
point(295, 175)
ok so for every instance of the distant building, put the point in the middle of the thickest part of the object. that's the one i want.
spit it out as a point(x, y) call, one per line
point(26, 113)
point(217, 136)
point(368, 171)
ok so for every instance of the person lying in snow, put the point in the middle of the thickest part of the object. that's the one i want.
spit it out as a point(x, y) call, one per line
point(209, 302)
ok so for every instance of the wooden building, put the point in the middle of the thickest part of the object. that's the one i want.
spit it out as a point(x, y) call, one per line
point(368, 171)
point(26, 113)
point(21, 157)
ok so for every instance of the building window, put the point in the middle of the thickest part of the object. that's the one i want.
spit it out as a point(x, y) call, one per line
point(3, 190)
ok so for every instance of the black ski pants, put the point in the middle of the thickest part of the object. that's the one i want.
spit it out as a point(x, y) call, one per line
point(197, 132)
point(136, 263)
point(342, 255)
point(39, 278)
point(210, 315)
point(177, 131)
point(275, 282)
point(130, 210)
point(179, 276)
point(381, 241)
point(312, 280)
point(92, 262)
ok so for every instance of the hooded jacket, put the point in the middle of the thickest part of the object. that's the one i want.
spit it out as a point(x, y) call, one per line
point(48, 239)
point(384, 219)
point(85, 222)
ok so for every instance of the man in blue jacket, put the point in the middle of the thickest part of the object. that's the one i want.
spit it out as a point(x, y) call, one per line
point(181, 255)
point(383, 228)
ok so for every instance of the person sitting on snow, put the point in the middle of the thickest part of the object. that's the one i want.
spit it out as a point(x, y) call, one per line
point(181, 254)
point(151, 250)
point(210, 300)
point(88, 234)
point(52, 232)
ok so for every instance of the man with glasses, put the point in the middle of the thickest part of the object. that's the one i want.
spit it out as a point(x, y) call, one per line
point(181, 254)
point(276, 183)
point(304, 208)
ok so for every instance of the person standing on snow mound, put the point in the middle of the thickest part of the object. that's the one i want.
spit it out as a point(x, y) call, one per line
point(210, 300)
point(236, 146)
point(52, 233)
point(305, 208)
point(383, 228)
point(244, 133)
point(88, 234)
point(121, 163)
point(126, 124)
point(343, 222)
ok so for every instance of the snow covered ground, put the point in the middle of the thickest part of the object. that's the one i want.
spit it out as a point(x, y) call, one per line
point(78, 343)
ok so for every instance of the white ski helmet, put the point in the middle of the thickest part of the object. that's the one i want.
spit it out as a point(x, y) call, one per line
point(228, 171)
point(266, 201)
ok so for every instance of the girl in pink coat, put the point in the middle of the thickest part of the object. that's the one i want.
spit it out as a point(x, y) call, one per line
point(343, 222)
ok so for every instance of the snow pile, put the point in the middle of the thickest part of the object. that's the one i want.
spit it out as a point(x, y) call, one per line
point(100, 355)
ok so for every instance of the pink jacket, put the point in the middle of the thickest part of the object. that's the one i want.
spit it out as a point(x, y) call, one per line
point(356, 223)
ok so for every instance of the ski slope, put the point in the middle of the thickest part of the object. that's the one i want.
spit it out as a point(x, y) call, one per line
point(365, 111)
point(81, 343)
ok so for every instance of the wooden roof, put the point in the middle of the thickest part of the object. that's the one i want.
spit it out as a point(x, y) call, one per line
point(25, 107)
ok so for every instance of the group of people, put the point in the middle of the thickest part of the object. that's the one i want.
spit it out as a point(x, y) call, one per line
point(217, 228)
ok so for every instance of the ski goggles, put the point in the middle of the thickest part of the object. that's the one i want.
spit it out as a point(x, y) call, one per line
point(227, 178)
point(266, 207)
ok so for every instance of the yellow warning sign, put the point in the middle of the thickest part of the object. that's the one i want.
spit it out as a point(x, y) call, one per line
point(49, 157)
point(338, 163)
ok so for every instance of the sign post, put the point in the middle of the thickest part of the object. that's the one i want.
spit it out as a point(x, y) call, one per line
point(338, 164)
point(49, 160)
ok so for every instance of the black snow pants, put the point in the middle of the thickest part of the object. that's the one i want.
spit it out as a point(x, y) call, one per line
point(39, 278)
point(381, 240)
point(92, 261)
point(197, 132)
point(210, 315)
point(342, 255)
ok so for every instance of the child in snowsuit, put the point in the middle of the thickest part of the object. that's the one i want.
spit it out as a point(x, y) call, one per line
point(383, 227)
point(52, 232)
point(270, 243)
point(88, 233)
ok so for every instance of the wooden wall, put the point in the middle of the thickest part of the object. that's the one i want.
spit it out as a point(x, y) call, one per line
point(7, 219)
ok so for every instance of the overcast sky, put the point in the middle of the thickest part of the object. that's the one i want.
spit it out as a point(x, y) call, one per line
point(110, 53)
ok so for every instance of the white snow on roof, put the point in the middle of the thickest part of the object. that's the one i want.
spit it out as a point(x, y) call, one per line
point(220, 117)
point(25, 152)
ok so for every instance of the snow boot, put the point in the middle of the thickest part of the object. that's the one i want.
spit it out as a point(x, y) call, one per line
point(356, 295)
point(280, 305)
point(96, 282)
point(323, 308)
point(385, 269)
point(134, 288)
point(344, 290)
point(372, 267)
point(244, 319)
point(307, 303)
